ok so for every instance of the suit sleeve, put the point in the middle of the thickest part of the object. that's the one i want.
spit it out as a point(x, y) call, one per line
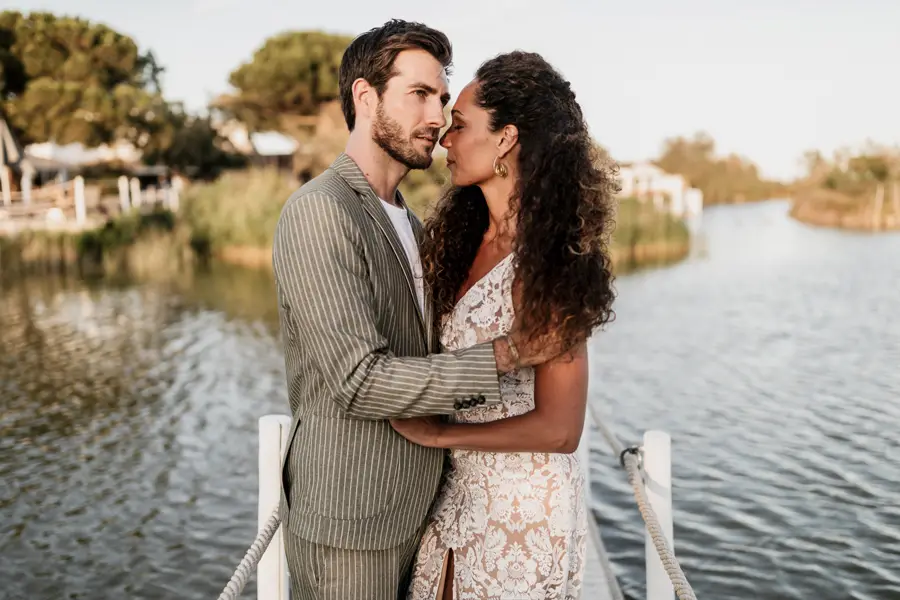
point(322, 281)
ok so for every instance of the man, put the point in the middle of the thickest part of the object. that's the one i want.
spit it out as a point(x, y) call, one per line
point(356, 322)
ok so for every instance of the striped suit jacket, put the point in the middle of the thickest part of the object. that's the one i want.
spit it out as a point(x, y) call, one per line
point(358, 351)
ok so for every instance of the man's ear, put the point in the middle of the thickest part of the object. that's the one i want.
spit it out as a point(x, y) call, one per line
point(508, 140)
point(365, 98)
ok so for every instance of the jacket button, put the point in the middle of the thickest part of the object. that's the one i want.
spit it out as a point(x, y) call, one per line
point(481, 399)
point(457, 405)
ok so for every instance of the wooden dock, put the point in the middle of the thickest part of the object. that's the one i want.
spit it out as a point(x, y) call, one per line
point(73, 205)
point(597, 573)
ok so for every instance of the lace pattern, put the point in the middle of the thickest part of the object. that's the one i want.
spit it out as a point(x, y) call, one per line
point(516, 521)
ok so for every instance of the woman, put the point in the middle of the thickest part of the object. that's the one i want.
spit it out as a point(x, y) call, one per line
point(523, 232)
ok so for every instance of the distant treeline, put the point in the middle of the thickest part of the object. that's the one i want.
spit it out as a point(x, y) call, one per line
point(723, 180)
point(68, 79)
point(853, 189)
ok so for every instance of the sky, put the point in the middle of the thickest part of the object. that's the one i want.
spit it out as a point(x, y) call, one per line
point(767, 79)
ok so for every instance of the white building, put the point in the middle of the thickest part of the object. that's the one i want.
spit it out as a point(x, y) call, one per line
point(78, 154)
point(646, 181)
point(270, 143)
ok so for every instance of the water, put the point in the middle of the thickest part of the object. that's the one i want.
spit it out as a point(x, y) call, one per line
point(774, 363)
point(128, 429)
point(129, 414)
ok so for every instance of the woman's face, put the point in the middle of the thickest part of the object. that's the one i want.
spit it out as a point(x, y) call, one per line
point(470, 143)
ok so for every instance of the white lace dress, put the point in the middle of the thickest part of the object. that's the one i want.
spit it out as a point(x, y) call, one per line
point(516, 522)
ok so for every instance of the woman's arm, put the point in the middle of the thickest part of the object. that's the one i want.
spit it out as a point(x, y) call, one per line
point(555, 424)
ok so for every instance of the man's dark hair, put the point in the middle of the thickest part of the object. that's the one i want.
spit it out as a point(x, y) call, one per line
point(371, 56)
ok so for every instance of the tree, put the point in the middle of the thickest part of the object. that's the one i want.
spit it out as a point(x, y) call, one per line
point(193, 147)
point(815, 165)
point(286, 82)
point(689, 157)
point(871, 167)
point(855, 188)
point(723, 180)
point(290, 85)
point(65, 80)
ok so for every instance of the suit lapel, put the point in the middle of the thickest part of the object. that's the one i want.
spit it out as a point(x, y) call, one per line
point(347, 168)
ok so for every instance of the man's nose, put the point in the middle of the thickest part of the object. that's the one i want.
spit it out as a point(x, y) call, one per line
point(435, 116)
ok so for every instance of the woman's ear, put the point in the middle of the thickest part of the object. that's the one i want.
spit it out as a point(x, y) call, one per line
point(508, 140)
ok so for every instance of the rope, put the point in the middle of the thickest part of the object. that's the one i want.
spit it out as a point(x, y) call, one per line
point(632, 465)
point(251, 559)
point(611, 438)
point(630, 459)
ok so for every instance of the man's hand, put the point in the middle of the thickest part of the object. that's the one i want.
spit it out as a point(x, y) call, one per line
point(515, 350)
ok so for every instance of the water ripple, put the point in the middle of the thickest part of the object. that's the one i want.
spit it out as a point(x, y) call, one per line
point(128, 431)
point(777, 380)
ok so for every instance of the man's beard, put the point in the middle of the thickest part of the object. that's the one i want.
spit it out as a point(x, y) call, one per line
point(388, 134)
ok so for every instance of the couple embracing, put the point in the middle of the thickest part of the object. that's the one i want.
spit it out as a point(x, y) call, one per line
point(438, 372)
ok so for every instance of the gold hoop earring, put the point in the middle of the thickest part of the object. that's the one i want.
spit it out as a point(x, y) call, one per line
point(499, 168)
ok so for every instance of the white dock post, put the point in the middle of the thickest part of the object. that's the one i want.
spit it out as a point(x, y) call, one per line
point(27, 180)
point(172, 195)
point(176, 187)
point(272, 574)
point(658, 469)
point(80, 210)
point(135, 192)
point(123, 194)
point(6, 185)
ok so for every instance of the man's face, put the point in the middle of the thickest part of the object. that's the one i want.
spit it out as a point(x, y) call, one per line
point(410, 112)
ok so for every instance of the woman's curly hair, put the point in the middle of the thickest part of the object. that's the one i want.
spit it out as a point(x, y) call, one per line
point(563, 205)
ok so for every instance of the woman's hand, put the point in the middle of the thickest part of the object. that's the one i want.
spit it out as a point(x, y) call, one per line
point(424, 431)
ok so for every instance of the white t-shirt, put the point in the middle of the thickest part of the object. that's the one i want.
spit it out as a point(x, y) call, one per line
point(404, 231)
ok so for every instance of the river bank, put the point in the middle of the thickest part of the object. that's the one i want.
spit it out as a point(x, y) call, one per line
point(828, 208)
point(640, 241)
point(233, 219)
point(147, 246)
point(626, 258)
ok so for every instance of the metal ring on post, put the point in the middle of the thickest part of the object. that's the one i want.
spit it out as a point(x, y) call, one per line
point(636, 450)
